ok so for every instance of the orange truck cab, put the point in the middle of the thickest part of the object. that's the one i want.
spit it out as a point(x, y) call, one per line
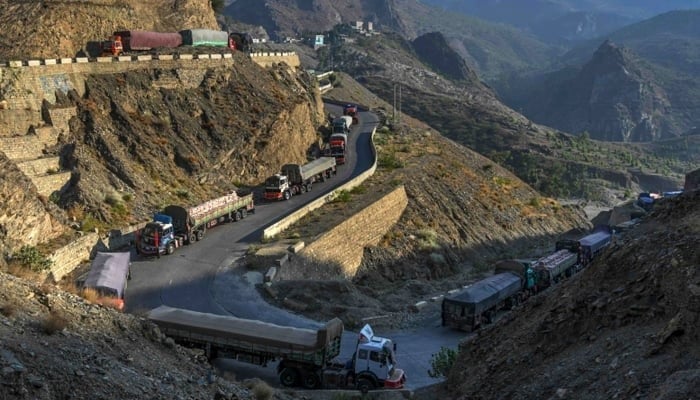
point(112, 46)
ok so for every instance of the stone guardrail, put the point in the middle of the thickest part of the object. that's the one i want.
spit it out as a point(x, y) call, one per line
point(131, 58)
point(284, 223)
point(326, 88)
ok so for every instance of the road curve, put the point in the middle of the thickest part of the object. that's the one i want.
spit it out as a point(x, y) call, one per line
point(206, 276)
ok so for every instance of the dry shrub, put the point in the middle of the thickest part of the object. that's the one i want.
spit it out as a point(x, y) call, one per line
point(90, 295)
point(261, 390)
point(8, 309)
point(20, 271)
point(54, 322)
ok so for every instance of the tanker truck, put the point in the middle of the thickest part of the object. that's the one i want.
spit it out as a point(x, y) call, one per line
point(177, 225)
point(306, 357)
point(295, 179)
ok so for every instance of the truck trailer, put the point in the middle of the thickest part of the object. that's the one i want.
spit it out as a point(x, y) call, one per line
point(296, 179)
point(177, 225)
point(306, 357)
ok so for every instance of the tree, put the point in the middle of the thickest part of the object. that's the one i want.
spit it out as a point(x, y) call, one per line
point(441, 362)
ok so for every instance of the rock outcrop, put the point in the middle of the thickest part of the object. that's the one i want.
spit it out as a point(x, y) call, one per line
point(613, 97)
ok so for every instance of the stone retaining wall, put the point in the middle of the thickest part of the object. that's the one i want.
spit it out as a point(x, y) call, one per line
point(344, 245)
point(47, 184)
point(22, 147)
point(40, 166)
point(67, 258)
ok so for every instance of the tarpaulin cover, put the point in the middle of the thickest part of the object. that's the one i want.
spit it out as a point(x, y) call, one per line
point(108, 273)
point(488, 292)
point(251, 331)
point(595, 241)
point(146, 40)
point(204, 37)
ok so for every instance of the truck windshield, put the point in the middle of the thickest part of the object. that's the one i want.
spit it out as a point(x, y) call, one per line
point(273, 181)
point(151, 229)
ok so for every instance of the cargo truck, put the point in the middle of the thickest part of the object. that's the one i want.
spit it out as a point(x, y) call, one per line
point(296, 179)
point(176, 225)
point(306, 357)
point(554, 267)
point(351, 111)
point(337, 145)
point(342, 124)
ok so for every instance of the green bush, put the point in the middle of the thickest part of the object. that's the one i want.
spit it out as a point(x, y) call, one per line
point(342, 197)
point(389, 161)
point(441, 362)
point(30, 257)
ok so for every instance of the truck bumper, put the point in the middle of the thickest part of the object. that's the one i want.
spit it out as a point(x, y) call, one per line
point(149, 251)
point(396, 380)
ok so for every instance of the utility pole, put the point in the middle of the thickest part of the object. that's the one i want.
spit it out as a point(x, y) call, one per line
point(393, 109)
point(399, 104)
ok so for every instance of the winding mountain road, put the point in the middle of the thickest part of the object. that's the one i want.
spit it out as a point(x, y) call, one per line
point(204, 276)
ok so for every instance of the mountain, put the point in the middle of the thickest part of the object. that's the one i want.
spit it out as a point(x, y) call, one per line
point(433, 50)
point(564, 21)
point(665, 53)
point(613, 97)
point(490, 49)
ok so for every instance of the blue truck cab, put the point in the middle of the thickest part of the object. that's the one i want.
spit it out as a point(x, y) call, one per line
point(158, 237)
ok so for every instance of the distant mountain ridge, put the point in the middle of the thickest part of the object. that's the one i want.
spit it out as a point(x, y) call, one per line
point(654, 94)
point(613, 97)
point(562, 21)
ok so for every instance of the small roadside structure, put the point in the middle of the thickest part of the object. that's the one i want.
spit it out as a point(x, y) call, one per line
point(108, 277)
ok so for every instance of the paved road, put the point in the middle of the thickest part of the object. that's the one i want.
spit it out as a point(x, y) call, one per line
point(206, 277)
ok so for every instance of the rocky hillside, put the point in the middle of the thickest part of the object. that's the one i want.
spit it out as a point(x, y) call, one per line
point(434, 51)
point(55, 345)
point(60, 26)
point(135, 147)
point(27, 218)
point(626, 327)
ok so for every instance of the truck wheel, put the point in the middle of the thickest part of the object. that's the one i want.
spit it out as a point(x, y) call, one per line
point(170, 249)
point(244, 213)
point(311, 381)
point(287, 195)
point(289, 377)
point(308, 187)
point(303, 188)
point(236, 216)
point(365, 385)
point(191, 238)
point(200, 235)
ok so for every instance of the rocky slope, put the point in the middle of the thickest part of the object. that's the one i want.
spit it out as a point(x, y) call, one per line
point(27, 218)
point(144, 147)
point(55, 345)
point(59, 25)
point(626, 327)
